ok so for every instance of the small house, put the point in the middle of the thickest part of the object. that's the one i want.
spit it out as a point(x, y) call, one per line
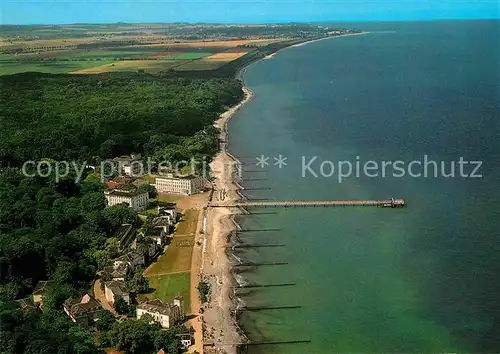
point(115, 289)
point(40, 289)
point(27, 304)
point(167, 315)
point(119, 272)
point(82, 310)
point(133, 259)
point(156, 234)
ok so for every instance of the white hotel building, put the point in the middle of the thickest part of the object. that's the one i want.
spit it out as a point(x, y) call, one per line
point(179, 185)
point(165, 314)
point(137, 200)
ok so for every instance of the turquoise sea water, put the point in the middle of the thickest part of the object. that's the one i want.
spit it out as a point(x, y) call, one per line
point(421, 279)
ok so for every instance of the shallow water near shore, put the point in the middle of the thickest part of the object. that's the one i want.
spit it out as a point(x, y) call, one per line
point(419, 279)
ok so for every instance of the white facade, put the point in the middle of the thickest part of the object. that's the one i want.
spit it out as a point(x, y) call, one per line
point(179, 185)
point(168, 212)
point(166, 315)
point(163, 320)
point(137, 201)
point(130, 165)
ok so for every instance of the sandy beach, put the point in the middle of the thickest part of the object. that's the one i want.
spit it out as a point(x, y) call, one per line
point(324, 38)
point(220, 330)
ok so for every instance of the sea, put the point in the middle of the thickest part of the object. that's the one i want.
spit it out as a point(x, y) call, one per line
point(419, 279)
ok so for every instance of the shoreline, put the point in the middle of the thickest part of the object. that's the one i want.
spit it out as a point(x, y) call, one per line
point(241, 72)
point(220, 327)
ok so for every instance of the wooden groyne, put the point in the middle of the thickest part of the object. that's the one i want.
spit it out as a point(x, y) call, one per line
point(276, 342)
point(262, 308)
point(387, 203)
point(259, 246)
point(208, 344)
point(263, 286)
point(260, 230)
point(250, 264)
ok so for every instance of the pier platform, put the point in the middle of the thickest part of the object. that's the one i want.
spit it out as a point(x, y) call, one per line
point(387, 203)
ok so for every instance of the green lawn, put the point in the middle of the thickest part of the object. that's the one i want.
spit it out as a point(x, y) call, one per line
point(169, 286)
point(177, 258)
point(51, 67)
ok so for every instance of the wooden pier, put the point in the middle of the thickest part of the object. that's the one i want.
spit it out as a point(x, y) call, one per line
point(387, 203)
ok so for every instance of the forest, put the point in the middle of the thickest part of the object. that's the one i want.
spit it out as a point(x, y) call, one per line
point(58, 229)
point(93, 117)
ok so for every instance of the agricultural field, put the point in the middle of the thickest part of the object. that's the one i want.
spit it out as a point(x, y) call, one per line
point(199, 65)
point(152, 48)
point(148, 59)
point(226, 56)
point(148, 66)
point(218, 44)
point(211, 62)
point(62, 67)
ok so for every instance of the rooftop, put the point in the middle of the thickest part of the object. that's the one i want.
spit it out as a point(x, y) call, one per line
point(118, 272)
point(119, 182)
point(173, 177)
point(128, 158)
point(41, 287)
point(117, 287)
point(157, 306)
point(155, 231)
point(125, 192)
point(26, 303)
point(80, 306)
point(129, 257)
point(125, 234)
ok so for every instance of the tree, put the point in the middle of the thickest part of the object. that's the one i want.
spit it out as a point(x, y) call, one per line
point(138, 284)
point(105, 321)
point(144, 244)
point(93, 202)
point(81, 341)
point(133, 336)
point(121, 306)
point(204, 290)
point(117, 215)
point(150, 189)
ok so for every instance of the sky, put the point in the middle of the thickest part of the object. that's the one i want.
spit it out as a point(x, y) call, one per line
point(240, 11)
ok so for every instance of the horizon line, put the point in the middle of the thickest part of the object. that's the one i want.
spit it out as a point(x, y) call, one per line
point(253, 23)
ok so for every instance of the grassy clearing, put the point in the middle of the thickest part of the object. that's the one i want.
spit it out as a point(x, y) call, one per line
point(188, 222)
point(149, 66)
point(62, 67)
point(169, 286)
point(168, 198)
point(176, 259)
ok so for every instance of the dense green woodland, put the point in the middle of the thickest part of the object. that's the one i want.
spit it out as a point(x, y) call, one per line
point(61, 231)
point(70, 117)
